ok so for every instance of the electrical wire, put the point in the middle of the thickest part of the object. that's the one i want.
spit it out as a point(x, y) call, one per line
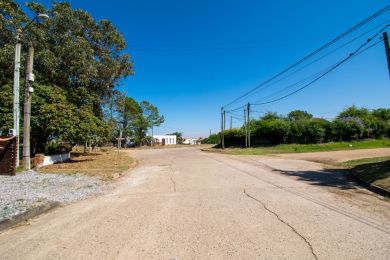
point(355, 53)
point(321, 57)
point(352, 29)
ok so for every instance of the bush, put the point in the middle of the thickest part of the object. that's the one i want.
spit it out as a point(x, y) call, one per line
point(300, 127)
point(212, 139)
point(234, 137)
point(274, 131)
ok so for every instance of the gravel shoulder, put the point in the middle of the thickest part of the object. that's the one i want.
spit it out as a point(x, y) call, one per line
point(28, 190)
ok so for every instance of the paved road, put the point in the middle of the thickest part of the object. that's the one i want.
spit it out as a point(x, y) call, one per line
point(186, 204)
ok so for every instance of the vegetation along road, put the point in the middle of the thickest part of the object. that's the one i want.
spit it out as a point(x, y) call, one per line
point(188, 204)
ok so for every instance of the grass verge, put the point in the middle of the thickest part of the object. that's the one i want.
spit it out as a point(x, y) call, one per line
point(375, 171)
point(106, 164)
point(304, 148)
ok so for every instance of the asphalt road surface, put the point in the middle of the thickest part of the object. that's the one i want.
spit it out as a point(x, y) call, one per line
point(187, 204)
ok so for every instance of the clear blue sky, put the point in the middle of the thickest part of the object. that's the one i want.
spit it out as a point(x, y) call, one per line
point(192, 57)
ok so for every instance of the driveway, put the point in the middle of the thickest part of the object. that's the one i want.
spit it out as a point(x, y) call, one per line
point(186, 204)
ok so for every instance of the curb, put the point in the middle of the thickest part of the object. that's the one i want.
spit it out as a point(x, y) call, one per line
point(378, 190)
point(8, 223)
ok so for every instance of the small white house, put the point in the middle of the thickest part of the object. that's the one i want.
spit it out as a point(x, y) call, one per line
point(164, 139)
point(191, 141)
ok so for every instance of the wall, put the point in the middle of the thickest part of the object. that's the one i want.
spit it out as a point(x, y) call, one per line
point(56, 158)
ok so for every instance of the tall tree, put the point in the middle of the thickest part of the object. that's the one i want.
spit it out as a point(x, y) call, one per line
point(79, 61)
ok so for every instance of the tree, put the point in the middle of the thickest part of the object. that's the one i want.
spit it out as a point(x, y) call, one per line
point(297, 115)
point(151, 114)
point(128, 110)
point(79, 63)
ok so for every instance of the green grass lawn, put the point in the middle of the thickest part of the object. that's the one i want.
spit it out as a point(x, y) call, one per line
point(372, 170)
point(303, 148)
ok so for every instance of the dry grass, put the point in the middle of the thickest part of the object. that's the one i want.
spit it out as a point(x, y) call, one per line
point(106, 164)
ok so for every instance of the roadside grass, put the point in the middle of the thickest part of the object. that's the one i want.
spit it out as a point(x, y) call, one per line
point(374, 171)
point(107, 164)
point(305, 148)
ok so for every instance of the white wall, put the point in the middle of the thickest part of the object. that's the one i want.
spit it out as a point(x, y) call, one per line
point(52, 159)
point(191, 141)
point(169, 139)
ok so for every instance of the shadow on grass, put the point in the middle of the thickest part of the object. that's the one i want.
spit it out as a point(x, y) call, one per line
point(338, 178)
point(373, 172)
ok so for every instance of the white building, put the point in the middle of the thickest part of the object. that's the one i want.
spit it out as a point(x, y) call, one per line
point(191, 141)
point(164, 139)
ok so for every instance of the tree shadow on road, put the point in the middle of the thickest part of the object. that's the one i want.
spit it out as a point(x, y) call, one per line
point(339, 178)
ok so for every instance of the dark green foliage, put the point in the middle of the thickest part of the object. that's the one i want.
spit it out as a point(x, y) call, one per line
point(300, 127)
point(212, 139)
point(297, 115)
point(234, 137)
point(79, 63)
point(274, 131)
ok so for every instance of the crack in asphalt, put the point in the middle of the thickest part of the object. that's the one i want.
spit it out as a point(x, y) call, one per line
point(284, 222)
point(367, 221)
point(174, 184)
point(171, 178)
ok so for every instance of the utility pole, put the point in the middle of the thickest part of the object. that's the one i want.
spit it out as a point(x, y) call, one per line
point(16, 114)
point(210, 132)
point(231, 122)
point(27, 106)
point(387, 49)
point(246, 130)
point(222, 133)
point(249, 125)
point(152, 137)
point(224, 120)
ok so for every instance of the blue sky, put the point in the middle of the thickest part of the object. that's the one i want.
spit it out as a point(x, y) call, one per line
point(192, 57)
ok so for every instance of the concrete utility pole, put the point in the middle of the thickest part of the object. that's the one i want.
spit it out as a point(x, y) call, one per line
point(231, 122)
point(224, 121)
point(387, 49)
point(249, 125)
point(246, 129)
point(16, 93)
point(28, 90)
point(222, 133)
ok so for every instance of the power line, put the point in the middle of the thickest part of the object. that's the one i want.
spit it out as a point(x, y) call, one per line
point(355, 53)
point(365, 21)
point(321, 57)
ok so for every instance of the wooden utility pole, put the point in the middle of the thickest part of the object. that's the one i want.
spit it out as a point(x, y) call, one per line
point(222, 133)
point(387, 49)
point(28, 90)
point(246, 130)
point(249, 125)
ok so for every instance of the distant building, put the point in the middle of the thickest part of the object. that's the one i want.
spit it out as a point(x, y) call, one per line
point(191, 141)
point(164, 139)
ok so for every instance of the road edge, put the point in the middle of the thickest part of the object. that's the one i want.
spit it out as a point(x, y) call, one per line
point(378, 190)
point(11, 222)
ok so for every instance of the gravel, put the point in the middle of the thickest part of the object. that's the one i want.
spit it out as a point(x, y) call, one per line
point(30, 189)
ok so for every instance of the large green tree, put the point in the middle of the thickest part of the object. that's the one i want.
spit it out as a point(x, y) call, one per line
point(79, 63)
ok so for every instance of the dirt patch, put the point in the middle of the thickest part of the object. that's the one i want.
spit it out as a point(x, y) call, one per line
point(107, 165)
point(338, 156)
